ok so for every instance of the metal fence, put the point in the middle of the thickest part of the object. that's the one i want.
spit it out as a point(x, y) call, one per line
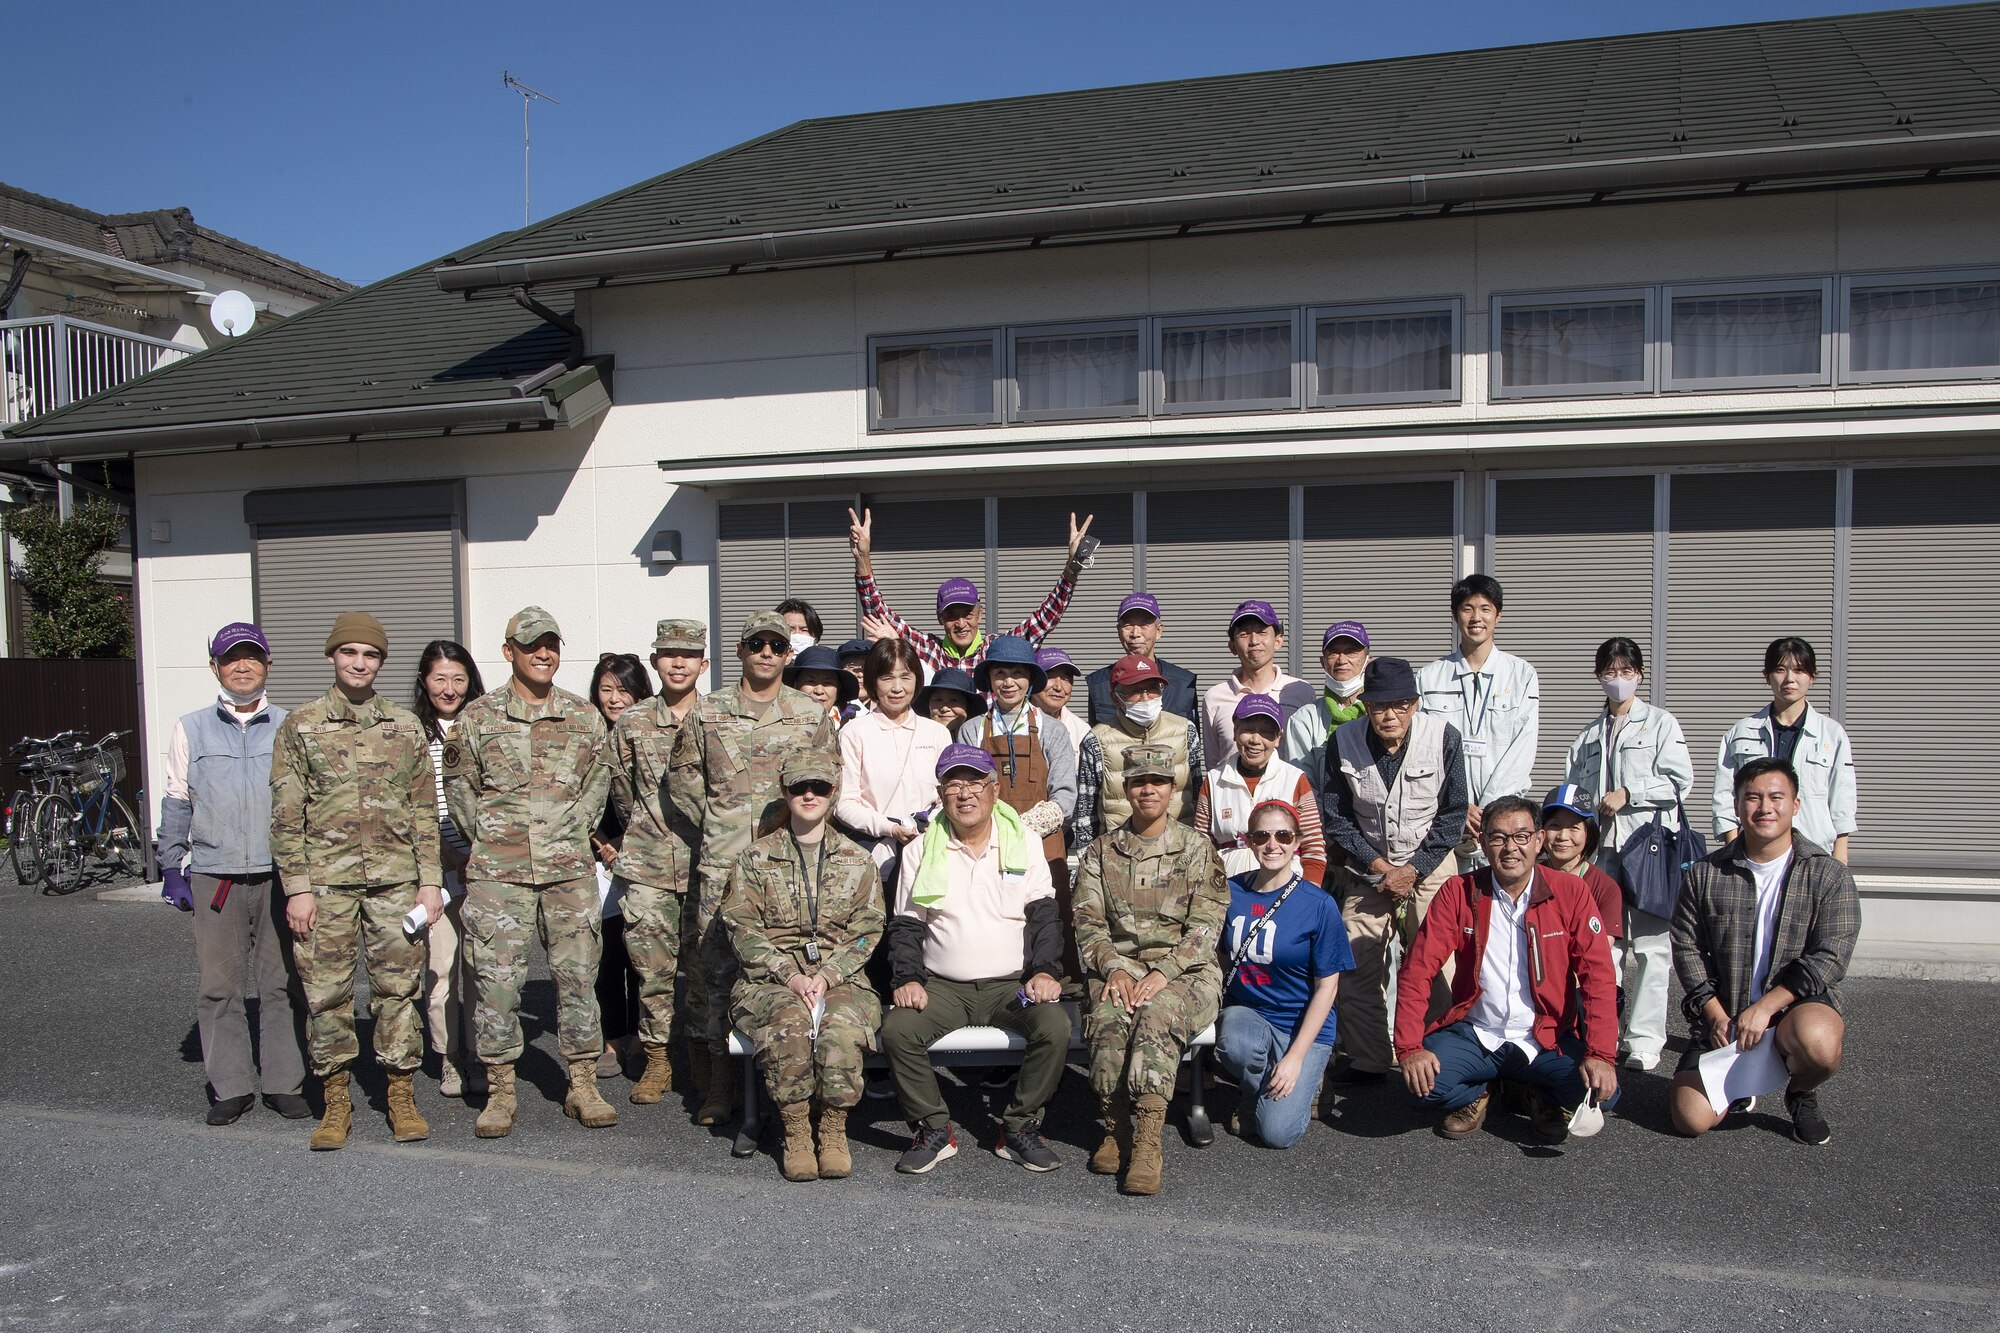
point(50, 361)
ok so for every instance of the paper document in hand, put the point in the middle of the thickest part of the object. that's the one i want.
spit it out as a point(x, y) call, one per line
point(610, 893)
point(417, 917)
point(1728, 1074)
point(819, 1012)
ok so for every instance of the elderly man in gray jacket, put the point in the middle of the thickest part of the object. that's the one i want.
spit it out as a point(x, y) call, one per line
point(215, 860)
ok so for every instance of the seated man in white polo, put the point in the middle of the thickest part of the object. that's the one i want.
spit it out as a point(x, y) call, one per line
point(975, 940)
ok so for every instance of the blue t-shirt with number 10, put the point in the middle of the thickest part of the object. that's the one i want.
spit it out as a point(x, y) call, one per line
point(1305, 941)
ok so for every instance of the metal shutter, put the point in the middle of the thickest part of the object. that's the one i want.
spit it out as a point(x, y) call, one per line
point(749, 575)
point(1207, 551)
point(1750, 558)
point(402, 571)
point(819, 567)
point(1034, 541)
point(921, 543)
point(1925, 562)
point(1575, 557)
point(1384, 554)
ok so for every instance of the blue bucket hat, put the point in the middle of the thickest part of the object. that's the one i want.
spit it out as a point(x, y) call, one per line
point(817, 658)
point(950, 678)
point(1010, 650)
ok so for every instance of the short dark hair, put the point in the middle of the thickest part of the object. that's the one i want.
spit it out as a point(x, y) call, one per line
point(804, 608)
point(1510, 805)
point(627, 670)
point(1616, 650)
point(1476, 585)
point(1758, 767)
point(885, 656)
point(1794, 650)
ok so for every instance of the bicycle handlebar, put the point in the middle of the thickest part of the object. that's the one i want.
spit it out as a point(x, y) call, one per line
point(32, 745)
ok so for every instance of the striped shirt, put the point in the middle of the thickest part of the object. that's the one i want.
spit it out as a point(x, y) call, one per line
point(447, 828)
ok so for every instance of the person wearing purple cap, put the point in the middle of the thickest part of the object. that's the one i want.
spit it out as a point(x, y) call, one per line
point(215, 855)
point(962, 644)
point(1234, 788)
point(1139, 629)
point(1256, 637)
point(1058, 685)
point(1343, 657)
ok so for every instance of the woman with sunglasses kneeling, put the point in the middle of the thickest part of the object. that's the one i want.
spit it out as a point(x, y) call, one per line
point(803, 912)
point(1284, 948)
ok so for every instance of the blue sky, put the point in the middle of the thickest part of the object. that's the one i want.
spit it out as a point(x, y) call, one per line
point(366, 137)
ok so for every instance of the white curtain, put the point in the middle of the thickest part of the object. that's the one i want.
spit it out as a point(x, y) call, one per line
point(1743, 337)
point(936, 380)
point(1077, 372)
point(1385, 354)
point(1242, 363)
point(1573, 344)
point(1925, 328)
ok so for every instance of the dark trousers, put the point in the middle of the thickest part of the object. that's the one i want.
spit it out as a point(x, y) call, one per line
point(244, 949)
point(907, 1035)
point(617, 984)
point(1465, 1068)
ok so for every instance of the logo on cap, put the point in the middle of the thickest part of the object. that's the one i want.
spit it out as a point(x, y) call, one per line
point(1344, 629)
point(956, 592)
point(1139, 601)
point(531, 623)
point(1258, 611)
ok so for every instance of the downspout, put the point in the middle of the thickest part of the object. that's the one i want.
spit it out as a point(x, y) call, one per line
point(563, 322)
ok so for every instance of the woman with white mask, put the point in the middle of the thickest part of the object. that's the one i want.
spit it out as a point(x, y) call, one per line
point(1343, 658)
point(1632, 763)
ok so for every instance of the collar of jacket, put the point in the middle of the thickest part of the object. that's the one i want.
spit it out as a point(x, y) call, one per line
point(1129, 843)
point(1737, 850)
point(788, 703)
point(263, 713)
point(1538, 884)
point(1810, 725)
point(338, 709)
point(561, 705)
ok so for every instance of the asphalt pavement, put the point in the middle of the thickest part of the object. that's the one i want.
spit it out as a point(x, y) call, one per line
point(119, 1208)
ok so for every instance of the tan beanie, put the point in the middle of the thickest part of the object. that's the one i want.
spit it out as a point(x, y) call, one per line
point(357, 627)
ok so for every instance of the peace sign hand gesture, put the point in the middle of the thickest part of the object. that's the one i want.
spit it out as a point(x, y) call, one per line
point(861, 539)
point(1076, 534)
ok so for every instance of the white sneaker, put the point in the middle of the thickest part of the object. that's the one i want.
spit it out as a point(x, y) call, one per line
point(451, 1083)
point(1640, 1060)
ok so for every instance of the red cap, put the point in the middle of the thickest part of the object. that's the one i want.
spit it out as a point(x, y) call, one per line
point(1131, 669)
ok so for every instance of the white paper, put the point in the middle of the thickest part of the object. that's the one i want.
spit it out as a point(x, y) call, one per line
point(418, 917)
point(1728, 1074)
point(819, 1012)
point(610, 893)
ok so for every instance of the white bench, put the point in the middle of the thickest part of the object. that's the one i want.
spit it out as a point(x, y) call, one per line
point(983, 1046)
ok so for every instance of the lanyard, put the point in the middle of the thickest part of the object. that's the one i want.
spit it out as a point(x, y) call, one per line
point(813, 878)
point(1026, 722)
point(1251, 928)
point(1477, 710)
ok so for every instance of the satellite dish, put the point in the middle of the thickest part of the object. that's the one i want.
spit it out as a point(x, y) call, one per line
point(233, 314)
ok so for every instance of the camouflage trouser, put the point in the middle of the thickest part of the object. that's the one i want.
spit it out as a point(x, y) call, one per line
point(498, 920)
point(354, 922)
point(1143, 1049)
point(712, 969)
point(779, 1024)
point(653, 942)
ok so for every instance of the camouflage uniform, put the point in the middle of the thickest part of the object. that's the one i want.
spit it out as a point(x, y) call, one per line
point(1149, 905)
point(527, 783)
point(354, 822)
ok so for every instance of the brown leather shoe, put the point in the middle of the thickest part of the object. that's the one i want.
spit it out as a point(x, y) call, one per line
point(1466, 1120)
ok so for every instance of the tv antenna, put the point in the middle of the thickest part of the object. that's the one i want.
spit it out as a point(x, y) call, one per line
point(529, 97)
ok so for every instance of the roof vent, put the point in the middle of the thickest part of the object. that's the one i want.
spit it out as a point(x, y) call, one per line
point(1372, 155)
point(582, 235)
point(1789, 122)
point(1680, 136)
point(901, 203)
point(1905, 118)
point(673, 222)
point(1179, 172)
point(733, 219)
point(1468, 152)
point(1267, 171)
point(833, 205)
point(1077, 187)
point(1574, 136)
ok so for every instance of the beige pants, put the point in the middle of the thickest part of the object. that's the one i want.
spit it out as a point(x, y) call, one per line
point(448, 985)
point(1363, 998)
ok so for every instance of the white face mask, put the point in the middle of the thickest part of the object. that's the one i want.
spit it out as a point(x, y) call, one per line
point(802, 641)
point(237, 698)
point(1142, 712)
point(1619, 688)
point(1345, 689)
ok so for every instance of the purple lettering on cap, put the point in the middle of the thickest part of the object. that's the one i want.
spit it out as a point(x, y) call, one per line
point(1258, 611)
point(1258, 705)
point(1344, 629)
point(1139, 601)
point(956, 592)
point(242, 631)
point(965, 756)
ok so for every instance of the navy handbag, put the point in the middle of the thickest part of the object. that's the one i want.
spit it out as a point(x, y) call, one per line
point(1651, 863)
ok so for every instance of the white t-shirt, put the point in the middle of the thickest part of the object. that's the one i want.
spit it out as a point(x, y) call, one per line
point(1770, 889)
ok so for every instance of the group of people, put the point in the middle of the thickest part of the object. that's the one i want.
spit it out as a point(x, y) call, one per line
point(861, 850)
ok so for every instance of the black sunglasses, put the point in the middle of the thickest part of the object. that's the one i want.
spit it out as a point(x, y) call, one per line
point(1285, 837)
point(777, 647)
point(813, 786)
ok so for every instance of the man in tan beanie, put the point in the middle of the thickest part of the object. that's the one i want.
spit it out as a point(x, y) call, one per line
point(354, 838)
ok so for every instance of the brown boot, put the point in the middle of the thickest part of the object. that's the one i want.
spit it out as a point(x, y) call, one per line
point(719, 1102)
point(404, 1122)
point(585, 1104)
point(1149, 1118)
point(799, 1162)
point(657, 1081)
point(331, 1132)
point(496, 1121)
point(1115, 1114)
point(1466, 1120)
point(697, 1058)
point(835, 1162)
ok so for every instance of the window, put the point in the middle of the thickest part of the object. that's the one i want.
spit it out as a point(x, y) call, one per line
point(1079, 370)
point(1573, 344)
point(1241, 364)
point(1400, 353)
point(934, 380)
point(1735, 337)
point(1945, 326)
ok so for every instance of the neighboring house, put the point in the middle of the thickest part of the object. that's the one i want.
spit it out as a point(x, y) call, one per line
point(1690, 336)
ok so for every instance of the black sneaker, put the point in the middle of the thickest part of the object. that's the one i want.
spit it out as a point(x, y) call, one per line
point(1026, 1146)
point(288, 1104)
point(878, 1087)
point(229, 1110)
point(927, 1149)
point(1808, 1125)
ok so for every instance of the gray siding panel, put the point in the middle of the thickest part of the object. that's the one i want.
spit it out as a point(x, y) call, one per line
point(750, 574)
point(1034, 541)
point(1206, 551)
point(1384, 554)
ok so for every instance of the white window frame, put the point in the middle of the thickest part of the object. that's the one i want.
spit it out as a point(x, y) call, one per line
point(1142, 385)
point(1672, 383)
point(1452, 305)
point(891, 342)
point(1162, 325)
point(1496, 353)
point(1853, 282)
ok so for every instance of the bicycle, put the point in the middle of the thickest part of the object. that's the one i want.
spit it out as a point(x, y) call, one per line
point(85, 818)
point(32, 756)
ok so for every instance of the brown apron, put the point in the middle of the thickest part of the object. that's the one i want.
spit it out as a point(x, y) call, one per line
point(1024, 784)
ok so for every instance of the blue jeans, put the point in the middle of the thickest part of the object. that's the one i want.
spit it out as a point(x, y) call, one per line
point(1465, 1068)
point(1248, 1047)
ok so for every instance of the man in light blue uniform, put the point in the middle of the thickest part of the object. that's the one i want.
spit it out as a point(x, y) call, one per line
point(1492, 697)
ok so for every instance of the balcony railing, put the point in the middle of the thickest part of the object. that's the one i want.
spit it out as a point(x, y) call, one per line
point(53, 360)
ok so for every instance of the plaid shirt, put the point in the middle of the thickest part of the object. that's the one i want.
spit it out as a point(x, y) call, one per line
point(1715, 930)
point(936, 653)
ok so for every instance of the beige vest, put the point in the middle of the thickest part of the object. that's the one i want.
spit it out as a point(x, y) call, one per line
point(1116, 738)
point(1395, 818)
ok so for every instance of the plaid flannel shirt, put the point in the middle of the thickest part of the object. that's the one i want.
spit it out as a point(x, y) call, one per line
point(932, 649)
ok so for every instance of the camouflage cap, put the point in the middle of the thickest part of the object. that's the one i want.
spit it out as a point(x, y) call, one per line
point(687, 635)
point(531, 623)
point(765, 622)
point(807, 764)
point(1149, 761)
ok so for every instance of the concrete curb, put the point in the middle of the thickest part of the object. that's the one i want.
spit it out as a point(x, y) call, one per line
point(131, 893)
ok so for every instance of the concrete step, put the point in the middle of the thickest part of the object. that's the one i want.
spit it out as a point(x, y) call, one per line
point(1925, 960)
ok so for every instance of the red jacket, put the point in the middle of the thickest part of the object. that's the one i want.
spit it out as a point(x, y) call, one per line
point(1569, 955)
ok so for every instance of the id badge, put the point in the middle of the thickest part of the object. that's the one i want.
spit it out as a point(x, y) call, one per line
point(1475, 747)
point(812, 951)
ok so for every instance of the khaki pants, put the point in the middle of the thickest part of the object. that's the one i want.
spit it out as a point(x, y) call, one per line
point(448, 985)
point(1363, 999)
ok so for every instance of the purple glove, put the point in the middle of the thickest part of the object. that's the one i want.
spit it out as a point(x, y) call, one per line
point(174, 888)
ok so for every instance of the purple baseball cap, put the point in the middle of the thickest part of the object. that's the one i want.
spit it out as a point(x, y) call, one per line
point(1344, 629)
point(1259, 611)
point(1139, 601)
point(965, 756)
point(1259, 705)
point(1048, 659)
point(229, 636)
point(957, 592)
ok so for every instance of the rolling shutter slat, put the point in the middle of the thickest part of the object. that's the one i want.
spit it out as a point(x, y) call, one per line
point(1385, 555)
point(1206, 552)
point(1034, 541)
point(750, 575)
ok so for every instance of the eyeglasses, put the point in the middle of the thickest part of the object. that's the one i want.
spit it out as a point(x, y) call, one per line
point(1284, 836)
point(761, 644)
point(960, 786)
point(812, 787)
point(1509, 839)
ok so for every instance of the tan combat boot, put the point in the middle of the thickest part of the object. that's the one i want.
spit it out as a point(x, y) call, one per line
point(404, 1122)
point(1149, 1118)
point(331, 1132)
point(799, 1162)
point(719, 1102)
point(1115, 1114)
point(657, 1081)
point(585, 1104)
point(496, 1121)
point(835, 1162)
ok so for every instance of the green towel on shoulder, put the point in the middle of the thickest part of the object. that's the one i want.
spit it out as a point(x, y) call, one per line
point(932, 873)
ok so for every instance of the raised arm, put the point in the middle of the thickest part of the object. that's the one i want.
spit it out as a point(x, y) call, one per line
point(861, 541)
point(1049, 614)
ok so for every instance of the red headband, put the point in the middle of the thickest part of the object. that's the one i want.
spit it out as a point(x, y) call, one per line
point(1286, 806)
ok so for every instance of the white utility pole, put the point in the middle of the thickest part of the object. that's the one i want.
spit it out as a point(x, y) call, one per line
point(528, 98)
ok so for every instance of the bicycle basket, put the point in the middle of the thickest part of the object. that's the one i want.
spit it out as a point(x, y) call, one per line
point(109, 764)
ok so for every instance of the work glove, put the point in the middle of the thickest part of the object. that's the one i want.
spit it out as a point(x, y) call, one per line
point(174, 888)
point(1042, 818)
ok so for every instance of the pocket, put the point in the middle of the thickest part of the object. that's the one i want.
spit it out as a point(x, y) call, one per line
point(502, 765)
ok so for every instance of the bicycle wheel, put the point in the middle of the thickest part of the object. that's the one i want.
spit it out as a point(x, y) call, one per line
point(21, 838)
point(117, 844)
point(57, 845)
